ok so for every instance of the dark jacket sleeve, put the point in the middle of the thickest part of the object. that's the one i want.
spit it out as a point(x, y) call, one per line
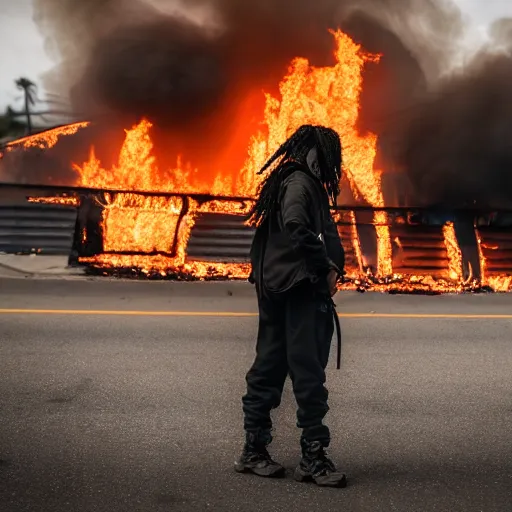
point(296, 202)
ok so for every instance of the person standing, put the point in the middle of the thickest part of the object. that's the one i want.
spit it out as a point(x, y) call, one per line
point(296, 258)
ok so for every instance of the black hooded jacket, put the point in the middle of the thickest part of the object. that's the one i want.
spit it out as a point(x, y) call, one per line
point(299, 241)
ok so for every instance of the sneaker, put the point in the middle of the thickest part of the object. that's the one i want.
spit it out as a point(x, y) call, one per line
point(316, 467)
point(256, 459)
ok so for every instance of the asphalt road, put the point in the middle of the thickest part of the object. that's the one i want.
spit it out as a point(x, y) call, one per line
point(140, 410)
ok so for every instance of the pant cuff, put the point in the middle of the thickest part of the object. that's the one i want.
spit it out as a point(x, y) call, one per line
point(317, 433)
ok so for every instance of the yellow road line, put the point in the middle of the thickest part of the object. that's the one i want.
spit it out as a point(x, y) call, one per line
point(122, 313)
point(227, 314)
point(426, 316)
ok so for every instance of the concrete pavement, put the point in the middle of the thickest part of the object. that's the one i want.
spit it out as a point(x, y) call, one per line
point(141, 412)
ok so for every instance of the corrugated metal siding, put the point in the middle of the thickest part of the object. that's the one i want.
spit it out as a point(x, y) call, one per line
point(419, 250)
point(496, 246)
point(30, 228)
point(225, 238)
point(218, 237)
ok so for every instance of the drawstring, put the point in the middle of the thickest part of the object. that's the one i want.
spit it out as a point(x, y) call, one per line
point(338, 333)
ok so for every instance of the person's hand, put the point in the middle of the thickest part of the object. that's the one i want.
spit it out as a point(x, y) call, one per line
point(332, 279)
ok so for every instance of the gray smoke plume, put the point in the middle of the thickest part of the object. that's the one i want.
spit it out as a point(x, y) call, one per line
point(501, 34)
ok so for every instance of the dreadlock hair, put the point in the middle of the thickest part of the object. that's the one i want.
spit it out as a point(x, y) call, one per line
point(296, 149)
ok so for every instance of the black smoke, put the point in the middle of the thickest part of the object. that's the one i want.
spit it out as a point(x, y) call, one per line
point(456, 147)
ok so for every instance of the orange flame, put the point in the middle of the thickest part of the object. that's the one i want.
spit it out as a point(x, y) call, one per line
point(136, 169)
point(134, 223)
point(454, 252)
point(48, 139)
point(62, 200)
point(499, 283)
point(483, 262)
point(494, 282)
point(356, 242)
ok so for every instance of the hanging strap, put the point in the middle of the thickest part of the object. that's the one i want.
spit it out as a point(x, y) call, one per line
point(338, 333)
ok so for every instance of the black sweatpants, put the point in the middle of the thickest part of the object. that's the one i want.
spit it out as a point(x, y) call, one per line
point(294, 337)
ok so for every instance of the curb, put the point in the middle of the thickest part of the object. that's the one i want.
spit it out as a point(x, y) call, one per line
point(12, 269)
point(204, 292)
point(206, 289)
point(44, 274)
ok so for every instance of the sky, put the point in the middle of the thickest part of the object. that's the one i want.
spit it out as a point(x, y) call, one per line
point(22, 50)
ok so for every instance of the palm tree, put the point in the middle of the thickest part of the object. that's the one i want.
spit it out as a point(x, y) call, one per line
point(29, 90)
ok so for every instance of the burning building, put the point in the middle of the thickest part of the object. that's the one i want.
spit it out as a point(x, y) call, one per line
point(180, 124)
